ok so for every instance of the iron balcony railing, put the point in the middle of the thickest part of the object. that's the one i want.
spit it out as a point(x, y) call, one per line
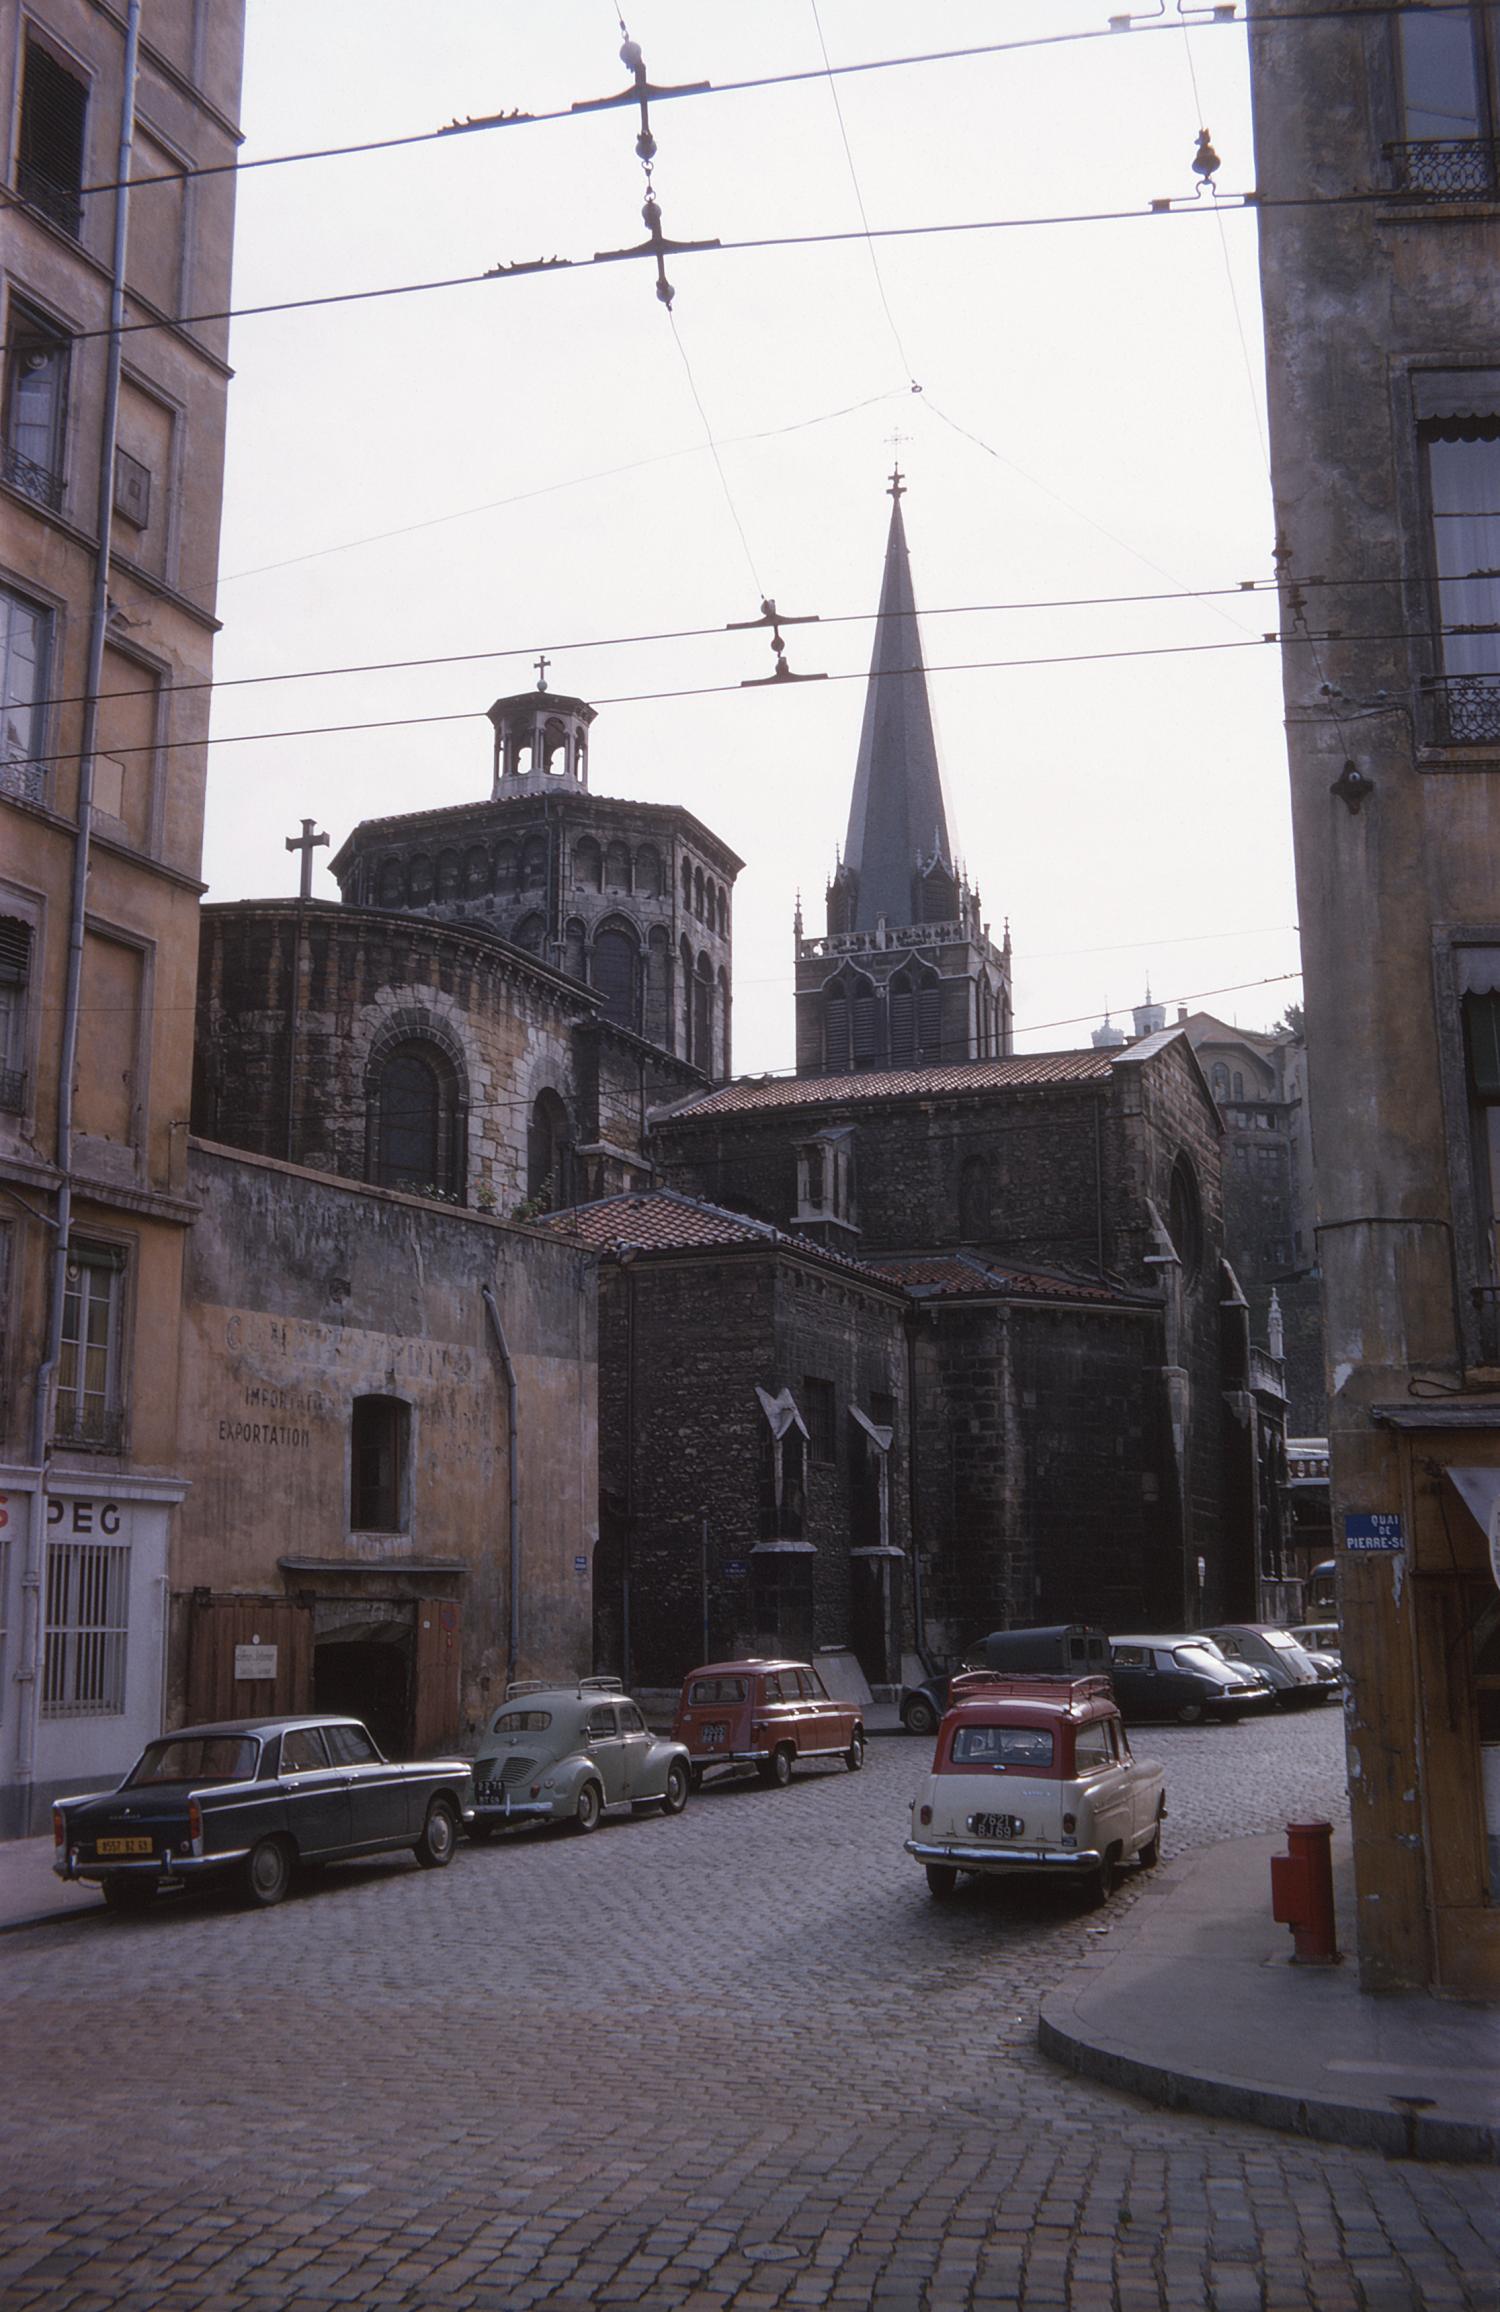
point(34, 481)
point(25, 782)
point(92, 1428)
point(1464, 709)
point(1447, 168)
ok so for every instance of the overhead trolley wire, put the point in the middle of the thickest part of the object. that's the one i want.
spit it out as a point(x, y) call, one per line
point(484, 123)
point(1247, 589)
point(732, 689)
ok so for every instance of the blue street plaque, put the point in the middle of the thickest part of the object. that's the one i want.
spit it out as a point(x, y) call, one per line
point(580, 1565)
point(1374, 1532)
point(735, 1569)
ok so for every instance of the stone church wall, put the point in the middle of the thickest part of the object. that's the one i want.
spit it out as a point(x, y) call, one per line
point(684, 1343)
point(304, 1294)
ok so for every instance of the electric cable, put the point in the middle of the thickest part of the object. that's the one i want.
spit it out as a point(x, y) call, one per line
point(1227, 204)
point(730, 689)
point(1244, 588)
point(483, 123)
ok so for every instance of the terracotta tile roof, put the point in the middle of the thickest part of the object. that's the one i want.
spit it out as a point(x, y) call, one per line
point(1022, 1068)
point(951, 1275)
point(664, 1220)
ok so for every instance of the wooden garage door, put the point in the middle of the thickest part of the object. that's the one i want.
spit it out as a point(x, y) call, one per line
point(248, 1657)
point(439, 1658)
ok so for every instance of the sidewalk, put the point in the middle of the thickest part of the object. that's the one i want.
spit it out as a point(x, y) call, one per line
point(30, 1890)
point(1193, 2002)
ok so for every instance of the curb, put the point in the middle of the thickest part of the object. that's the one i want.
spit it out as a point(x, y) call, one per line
point(1400, 2134)
point(49, 1918)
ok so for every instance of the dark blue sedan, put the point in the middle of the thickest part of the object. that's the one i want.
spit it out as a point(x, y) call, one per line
point(249, 1800)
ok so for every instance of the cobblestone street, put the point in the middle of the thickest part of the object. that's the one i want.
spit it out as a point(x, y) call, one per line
point(737, 2059)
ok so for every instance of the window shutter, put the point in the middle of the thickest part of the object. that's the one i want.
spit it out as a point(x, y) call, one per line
point(15, 951)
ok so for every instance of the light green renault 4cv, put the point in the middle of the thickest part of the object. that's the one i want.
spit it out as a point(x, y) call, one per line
point(565, 1753)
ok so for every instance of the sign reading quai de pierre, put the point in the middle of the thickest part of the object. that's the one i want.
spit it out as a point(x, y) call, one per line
point(1374, 1532)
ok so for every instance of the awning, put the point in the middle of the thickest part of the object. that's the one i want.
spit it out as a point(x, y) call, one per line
point(1479, 1490)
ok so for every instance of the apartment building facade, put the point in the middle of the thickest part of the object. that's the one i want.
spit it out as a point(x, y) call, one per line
point(113, 412)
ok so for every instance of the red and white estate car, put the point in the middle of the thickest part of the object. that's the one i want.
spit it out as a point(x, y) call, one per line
point(1035, 1774)
point(765, 1714)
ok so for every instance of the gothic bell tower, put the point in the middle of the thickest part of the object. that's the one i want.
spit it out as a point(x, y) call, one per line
point(906, 974)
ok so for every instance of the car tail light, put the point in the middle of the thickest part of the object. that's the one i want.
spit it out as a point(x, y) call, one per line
point(1070, 1823)
point(195, 1826)
point(924, 1815)
point(59, 1828)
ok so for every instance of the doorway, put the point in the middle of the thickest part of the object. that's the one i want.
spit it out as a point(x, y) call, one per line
point(364, 1668)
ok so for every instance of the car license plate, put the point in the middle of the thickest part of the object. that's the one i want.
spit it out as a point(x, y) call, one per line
point(997, 1825)
point(714, 1737)
point(124, 1846)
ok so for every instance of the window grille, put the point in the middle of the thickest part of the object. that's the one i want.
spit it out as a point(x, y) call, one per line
point(380, 1432)
point(88, 1603)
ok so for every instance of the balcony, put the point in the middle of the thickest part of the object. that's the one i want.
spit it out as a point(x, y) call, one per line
point(1446, 168)
point(89, 1428)
point(25, 782)
point(1463, 709)
point(33, 481)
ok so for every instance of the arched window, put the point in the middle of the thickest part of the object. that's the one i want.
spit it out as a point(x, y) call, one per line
point(505, 867)
point(836, 1028)
point(588, 865)
point(687, 884)
point(685, 972)
point(416, 1121)
point(1239, 1085)
point(703, 1016)
point(648, 873)
point(617, 868)
point(698, 893)
point(549, 1154)
point(913, 1016)
point(615, 974)
point(390, 884)
point(575, 949)
point(419, 878)
point(534, 863)
point(476, 871)
point(449, 874)
point(976, 1199)
point(659, 986)
point(721, 1022)
point(1185, 1219)
point(529, 933)
point(1220, 1081)
point(554, 743)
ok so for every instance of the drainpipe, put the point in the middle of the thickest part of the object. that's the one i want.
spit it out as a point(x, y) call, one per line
point(918, 1601)
point(512, 1423)
point(33, 1621)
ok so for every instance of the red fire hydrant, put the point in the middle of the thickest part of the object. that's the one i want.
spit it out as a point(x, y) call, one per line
point(1302, 1893)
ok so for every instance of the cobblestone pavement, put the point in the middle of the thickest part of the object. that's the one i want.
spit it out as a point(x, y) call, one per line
point(738, 2059)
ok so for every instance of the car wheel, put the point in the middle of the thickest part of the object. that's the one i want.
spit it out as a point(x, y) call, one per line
point(1191, 1714)
point(777, 1769)
point(675, 1797)
point(918, 1716)
point(435, 1848)
point(1102, 1882)
point(942, 1881)
point(128, 1894)
point(695, 1778)
point(854, 1756)
point(1151, 1851)
point(268, 1873)
point(589, 1808)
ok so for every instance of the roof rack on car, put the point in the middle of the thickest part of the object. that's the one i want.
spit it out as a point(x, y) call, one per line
point(520, 1686)
point(1039, 1685)
point(601, 1685)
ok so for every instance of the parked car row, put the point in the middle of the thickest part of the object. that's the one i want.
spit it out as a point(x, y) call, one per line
point(1193, 1675)
point(251, 1801)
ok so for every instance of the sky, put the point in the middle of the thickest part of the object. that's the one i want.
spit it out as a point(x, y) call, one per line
point(554, 462)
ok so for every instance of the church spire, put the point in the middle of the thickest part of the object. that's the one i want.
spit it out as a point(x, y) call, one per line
point(898, 816)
